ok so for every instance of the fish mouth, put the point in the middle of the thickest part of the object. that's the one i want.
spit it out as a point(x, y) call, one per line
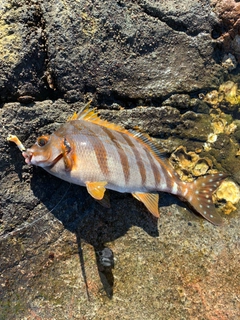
point(38, 160)
point(31, 158)
point(27, 156)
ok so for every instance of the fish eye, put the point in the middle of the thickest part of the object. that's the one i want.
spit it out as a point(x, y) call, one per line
point(42, 141)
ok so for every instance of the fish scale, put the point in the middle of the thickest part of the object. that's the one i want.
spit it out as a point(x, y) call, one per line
point(117, 153)
point(100, 155)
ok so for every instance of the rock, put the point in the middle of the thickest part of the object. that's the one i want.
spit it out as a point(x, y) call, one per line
point(52, 233)
point(135, 52)
point(144, 64)
point(228, 12)
point(23, 53)
point(143, 50)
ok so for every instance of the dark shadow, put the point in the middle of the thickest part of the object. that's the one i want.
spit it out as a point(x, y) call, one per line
point(16, 160)
point(91, 222)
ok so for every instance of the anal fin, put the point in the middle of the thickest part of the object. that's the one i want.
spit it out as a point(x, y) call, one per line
point(150, 200)
point(96, 189)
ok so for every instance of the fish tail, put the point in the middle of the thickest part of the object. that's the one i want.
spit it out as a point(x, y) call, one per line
point(199, 195)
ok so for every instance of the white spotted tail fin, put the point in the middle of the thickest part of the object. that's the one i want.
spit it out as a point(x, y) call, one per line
point(199, 196)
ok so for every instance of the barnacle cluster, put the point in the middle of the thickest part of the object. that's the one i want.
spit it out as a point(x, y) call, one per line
point(189, 164)
point(228, 194)
point(228, 95)
point(227, 92)
point(219, 125)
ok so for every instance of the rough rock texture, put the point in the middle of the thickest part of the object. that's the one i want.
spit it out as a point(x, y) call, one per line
point(228, 30)
point(22, 50)
point(133, 52)
point(153, 58)
point(123, 49)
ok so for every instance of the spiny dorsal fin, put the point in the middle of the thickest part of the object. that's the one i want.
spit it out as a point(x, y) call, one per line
point(81, 113)
point(151, 145)
point(90, 114)
point(73, 117)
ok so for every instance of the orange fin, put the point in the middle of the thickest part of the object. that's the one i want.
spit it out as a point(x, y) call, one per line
point(150, 201)
point(200, 193)
point(90, 114)
point(83, 111)
point(73, 117)
point(96, 189)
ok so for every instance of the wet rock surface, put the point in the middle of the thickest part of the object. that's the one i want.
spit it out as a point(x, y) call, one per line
point(144, 64)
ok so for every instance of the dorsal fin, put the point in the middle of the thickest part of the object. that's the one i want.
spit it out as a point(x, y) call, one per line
point(81, 113)
point(90, 114)
point(151, 145)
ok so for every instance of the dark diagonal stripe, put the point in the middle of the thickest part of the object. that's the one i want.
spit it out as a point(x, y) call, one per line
point(138, 157)
point(100, 151)
point(121, 153)
point(154, 168)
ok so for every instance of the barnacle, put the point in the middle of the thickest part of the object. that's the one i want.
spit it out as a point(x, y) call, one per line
point(229, 194)
point(189, 164)
point(201, 167)
point(228, 191)
point(212, 97)
point(229, 62)
point(230, 92)
point(227, 91)
point(219, 125)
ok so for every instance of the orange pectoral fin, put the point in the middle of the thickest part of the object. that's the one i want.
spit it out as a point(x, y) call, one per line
point(96, 189)
point(150, 201)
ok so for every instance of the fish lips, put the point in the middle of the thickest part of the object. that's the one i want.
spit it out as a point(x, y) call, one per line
point(27, 156)
point(31, 158)
point(38, 160)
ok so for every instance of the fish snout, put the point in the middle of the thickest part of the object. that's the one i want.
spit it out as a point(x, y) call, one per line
point(28, 156)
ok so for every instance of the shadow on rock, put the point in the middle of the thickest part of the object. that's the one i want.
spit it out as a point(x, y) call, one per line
point(91, 222)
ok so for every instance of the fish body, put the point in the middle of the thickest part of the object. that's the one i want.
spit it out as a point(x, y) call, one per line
point(101, 154)
point(92, 152)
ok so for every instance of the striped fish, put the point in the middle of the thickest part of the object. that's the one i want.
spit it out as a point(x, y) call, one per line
point(92, 152)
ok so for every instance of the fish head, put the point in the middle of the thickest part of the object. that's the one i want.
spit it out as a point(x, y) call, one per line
point(45, 152)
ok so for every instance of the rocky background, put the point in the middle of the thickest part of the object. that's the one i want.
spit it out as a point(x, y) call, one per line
point(168, 67)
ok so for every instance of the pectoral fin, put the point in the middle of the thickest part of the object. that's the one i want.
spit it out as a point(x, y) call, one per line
point(96, 189)
point(150, 201)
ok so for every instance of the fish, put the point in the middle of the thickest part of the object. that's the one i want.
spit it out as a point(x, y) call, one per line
point(92, 152)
